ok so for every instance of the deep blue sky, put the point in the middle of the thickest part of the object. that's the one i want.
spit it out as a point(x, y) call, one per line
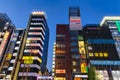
point(92, 11)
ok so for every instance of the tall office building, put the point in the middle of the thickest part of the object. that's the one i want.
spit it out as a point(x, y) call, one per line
point(61, 59)
point(33, 54)
point(6, 28)
point(9, 62)
point(70, 61)
point(77, 45)
point(101, 51)
point(113, 23)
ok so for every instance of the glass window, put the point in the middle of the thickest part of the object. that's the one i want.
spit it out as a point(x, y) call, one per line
point(101, 54)
point(91, 54)
point(96, 55)
point(105, 54)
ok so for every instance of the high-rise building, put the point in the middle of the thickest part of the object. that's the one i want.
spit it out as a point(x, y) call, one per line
point(11, 57)
point(77, 45)
point(113, 23)
point(6, 28)
point(69, 60)
point(101, 51)
point(33, 54)
point(61, 59)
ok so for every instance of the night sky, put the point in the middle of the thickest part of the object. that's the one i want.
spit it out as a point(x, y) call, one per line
point(91, 11)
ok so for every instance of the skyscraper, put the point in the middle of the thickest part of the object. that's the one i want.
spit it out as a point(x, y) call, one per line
point(101, 51)
point(113, 23)
point(33, 55)
point(6, 29)
point(70, 61)
point(61, 59)
point(11, 58)
point(77, 45)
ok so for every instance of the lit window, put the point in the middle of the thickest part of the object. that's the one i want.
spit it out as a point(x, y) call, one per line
point(60, 71)
point(74, 63)
point(53, 70)
point(59, 78)
point(60, 51)
point(10, 68)
point(105, 54)
point(91, 54)
point(74, 70)
point(96, 55)
point(101, 54)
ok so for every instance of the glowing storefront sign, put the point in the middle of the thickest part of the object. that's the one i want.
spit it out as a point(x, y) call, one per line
point(59, 78)
point(29, 59)
point(84, 76)
point(45, 77)
point(81, 47)
point(116, 74)
point(60, 71)
point(106, 62)
point(8, 56)
point(84, 68)
point(102, 74)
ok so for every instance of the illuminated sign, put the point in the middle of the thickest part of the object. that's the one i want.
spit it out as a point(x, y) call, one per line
point(116, 74)
point(102, 74)
point(29, 59)
point(60, 70)
point(81, 47)
point(84, 76)
point(75, 23)
point(118, 25)
point(106, 62)
point(8, 56)
point(101, 41)
point(96, 54)
point(59, 78)
point(84, 68)
point(45, 77)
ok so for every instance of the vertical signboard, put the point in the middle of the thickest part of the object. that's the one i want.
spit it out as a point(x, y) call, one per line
point(84, 68)
point(75, 23)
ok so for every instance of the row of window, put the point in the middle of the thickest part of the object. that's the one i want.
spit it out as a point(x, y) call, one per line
point(98, 54)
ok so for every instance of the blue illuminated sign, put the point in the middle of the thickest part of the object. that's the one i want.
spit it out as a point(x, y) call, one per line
point(107, 62)
point(101, 41)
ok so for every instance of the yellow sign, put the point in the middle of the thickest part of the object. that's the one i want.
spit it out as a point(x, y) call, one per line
point(28, 59)
point(83, 68)
point(81, 47)
point(8, 56)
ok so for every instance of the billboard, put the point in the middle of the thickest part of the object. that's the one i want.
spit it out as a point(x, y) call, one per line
point(75, 23)
point(84, 68)
point(102, 74)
